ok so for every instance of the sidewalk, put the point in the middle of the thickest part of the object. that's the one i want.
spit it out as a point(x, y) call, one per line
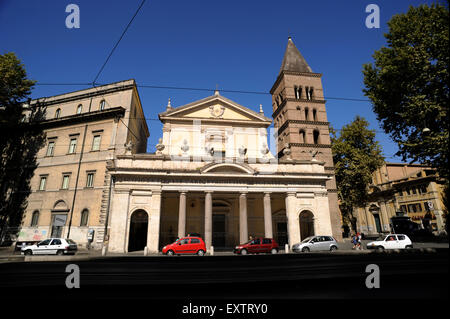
point(7, 254)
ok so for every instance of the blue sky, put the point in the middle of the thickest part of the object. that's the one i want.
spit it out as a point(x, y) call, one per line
point(237, 45)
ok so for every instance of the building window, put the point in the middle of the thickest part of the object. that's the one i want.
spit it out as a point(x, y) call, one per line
point(42, 183)
point(84, 218)
point(316, 134)
point(314, 115)
point(306, 114)
point(57, 113)
point(65, 182)
point(298, 92)
point(403, 208)
point(423, 189)
point(90, 180)
point(35, 219)
point(50, 148)
point(302, 136)
point(102, 105)
point(72, 145)
point(309, 92)
point(79, 109)
point(96, 143)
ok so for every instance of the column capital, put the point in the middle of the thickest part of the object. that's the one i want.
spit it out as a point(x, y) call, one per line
point(209, 192)
point(243, 193)
point(291, 193)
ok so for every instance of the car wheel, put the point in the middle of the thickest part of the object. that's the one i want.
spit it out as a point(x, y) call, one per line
point(200, 252)
point(28, 252)
point(170, 253)
point(60, 252)
point(305, 250)
point(333, 248)
point(244, 252)
point(380, 249)
point(274, 251)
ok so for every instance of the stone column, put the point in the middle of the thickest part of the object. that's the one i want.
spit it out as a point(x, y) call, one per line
point(208, 220)
point(437, 207)
point(385, 219)
point(292, 220)
point(182, 215)
point(119, 216)
point(154, 222)
point(267, 216)
point(243, 227)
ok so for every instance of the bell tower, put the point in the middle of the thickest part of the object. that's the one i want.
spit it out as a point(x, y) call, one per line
point(300, 120)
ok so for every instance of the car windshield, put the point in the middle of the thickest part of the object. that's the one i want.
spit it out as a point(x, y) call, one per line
point(307, 239)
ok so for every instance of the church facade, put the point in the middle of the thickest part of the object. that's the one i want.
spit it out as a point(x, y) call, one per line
point(219, 172)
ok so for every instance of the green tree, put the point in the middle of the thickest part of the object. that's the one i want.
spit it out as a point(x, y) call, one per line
point(408, 85)
point(20, 139)
point(356, 155)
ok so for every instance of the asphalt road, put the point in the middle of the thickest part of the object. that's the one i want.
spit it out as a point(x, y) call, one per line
point(405, 275)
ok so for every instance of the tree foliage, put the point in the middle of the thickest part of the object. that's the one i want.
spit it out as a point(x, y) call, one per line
point(408, 85)
point(356, 155)
point(20, 140)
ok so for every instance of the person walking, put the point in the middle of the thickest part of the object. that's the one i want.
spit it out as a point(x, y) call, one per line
point(354, 241)
point(358, 239)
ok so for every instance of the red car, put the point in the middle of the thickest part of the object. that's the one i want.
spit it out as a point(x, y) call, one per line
point(186, 245)
point(258, 245)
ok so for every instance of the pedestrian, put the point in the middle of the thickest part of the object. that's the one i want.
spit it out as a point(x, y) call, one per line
point(359, 238)
point(354, 241)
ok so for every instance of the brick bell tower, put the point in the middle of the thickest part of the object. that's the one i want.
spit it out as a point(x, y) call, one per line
point(300, 119)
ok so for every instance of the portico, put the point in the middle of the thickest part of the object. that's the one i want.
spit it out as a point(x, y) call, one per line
point(225, 209)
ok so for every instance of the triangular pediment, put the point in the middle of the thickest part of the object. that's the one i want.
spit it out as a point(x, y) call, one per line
point(216, 108)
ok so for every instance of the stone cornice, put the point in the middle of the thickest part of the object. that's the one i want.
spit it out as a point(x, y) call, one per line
point(251, 180)
point(282, 73)
point(101, 91)
point(310, 145)
point(83, 117)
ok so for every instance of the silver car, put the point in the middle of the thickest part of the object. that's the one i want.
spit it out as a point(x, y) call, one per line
point(316, 243)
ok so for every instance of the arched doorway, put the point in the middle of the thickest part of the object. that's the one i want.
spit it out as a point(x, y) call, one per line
point(138, 231)
point(375, 210)
point(306, 224)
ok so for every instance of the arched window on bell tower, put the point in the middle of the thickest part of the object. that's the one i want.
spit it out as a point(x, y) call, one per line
point(306, 114)
point(316, 135)
point(302, 134)
point(314, 115)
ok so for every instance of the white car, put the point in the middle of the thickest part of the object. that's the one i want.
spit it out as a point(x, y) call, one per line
point(391, 241)
point(51, 246)
point(316, 243)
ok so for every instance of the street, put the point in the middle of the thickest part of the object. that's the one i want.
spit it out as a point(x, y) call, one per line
point(405, 274)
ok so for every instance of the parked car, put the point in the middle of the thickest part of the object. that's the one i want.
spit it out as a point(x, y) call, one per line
point(316, 243)
point(256, 246)
point(57, 246)
point(186, 245)
point(391, 241)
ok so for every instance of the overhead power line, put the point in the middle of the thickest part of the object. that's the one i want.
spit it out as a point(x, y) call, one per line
point(146, 86)
point(117, 43)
